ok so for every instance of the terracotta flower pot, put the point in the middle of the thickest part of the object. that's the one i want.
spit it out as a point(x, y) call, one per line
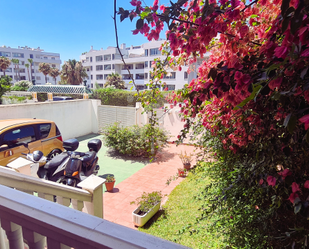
point(181, 173)
point(187, 166)
point(109, 186)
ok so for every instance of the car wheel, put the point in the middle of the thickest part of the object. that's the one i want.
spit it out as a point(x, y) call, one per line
point(54, 153)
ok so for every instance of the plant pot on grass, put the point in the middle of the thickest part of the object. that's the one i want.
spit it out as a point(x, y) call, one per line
point(149, 204)
point(109, 184)
point(186, 159)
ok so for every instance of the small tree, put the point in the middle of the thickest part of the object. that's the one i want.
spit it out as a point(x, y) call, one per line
point(115, 80)
point(45, 69)
point(5, 85)
point(4, 63)
point(31, 62)
point(54, 72)
point(27, 66)
point(73, 72)
point(16, 67)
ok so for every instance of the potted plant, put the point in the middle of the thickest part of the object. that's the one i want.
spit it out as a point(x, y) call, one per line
point(186, 159)
point(181, 172)
point(109, 183)
point(148, 205)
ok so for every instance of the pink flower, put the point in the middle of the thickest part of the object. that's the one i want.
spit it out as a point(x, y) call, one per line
point(295, 187)
point(261, 181)
point(275, 83)
point(285, 173)
point(271, 181)
point(306, 185)
point(292, 197)
point(305, 120)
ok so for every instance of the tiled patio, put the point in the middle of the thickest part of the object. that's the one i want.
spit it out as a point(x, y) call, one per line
point(152, 177)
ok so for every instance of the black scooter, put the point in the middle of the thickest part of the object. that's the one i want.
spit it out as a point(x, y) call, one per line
point(71, 167)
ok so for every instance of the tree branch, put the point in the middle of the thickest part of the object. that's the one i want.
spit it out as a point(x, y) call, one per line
point(117, 45)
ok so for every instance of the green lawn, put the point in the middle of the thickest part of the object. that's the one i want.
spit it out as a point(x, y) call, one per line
point(177, 221)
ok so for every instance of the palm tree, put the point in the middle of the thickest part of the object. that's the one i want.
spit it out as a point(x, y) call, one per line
point(15, 62)
point(27, 66)
point(73, 72)
point(4, 63)
point(115, 80)
point(31, 62)
point(45, 69)
point(54, 72)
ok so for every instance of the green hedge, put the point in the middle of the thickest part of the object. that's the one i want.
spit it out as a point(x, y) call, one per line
point(117, 97)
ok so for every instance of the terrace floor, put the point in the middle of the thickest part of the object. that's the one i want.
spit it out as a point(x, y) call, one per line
point(134, 176)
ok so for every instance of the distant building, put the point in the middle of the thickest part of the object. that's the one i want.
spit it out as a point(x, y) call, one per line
point(37, 55)
point(101, 63)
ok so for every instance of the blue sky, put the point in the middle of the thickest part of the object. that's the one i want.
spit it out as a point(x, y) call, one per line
point(65, 26)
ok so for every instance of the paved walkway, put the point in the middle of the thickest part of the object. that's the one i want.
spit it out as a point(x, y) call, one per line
point(152, 177)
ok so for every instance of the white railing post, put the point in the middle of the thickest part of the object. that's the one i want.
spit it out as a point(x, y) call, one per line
point(34, 240)
point(14, 234)
point(94, 185)
point(3, 240)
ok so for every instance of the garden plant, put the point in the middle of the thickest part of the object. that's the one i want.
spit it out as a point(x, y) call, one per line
point(248, 106)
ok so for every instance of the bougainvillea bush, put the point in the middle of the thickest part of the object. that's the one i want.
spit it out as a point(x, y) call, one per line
point(250, 102)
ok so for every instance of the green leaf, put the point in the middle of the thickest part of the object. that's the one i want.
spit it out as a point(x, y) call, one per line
point(139, 23)
point(256, 90)
point(303, 73)
point(297, 208)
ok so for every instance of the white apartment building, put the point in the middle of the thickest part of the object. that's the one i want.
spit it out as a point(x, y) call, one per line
point(37, 55)
point(101, 63)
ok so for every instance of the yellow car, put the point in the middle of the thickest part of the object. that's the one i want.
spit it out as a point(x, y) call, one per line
point(39, 134)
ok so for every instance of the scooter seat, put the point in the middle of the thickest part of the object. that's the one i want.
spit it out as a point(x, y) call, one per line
point(56, 161)
point(88, 158)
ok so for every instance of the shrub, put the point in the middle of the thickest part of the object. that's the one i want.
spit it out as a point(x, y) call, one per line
point(134, 140)
point(22, 85)
point(147, 201)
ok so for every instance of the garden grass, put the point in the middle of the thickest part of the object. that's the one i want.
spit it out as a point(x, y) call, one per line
point(177, 221)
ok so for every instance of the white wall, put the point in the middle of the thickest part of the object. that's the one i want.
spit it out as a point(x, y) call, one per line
point(74, 118)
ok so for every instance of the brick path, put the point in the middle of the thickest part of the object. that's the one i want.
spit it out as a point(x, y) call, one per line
point(152, 177)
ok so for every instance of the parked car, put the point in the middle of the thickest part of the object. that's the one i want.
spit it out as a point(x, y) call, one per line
point(39, 134)
point(59, 98)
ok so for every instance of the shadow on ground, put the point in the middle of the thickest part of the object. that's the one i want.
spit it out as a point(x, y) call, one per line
point(116, 155)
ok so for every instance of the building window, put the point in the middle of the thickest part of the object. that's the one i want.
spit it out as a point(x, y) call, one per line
point(99, 67)
point(146, 52)
point(45, 58)
point(100, 85)
point(150, 63)
point(22, 77)
point(139, 76)
point(146, 64)
point(32, 70)
point(107, 57)
point(113, 56)
point(146, 75)
point(170, 87)
point(22, 70)
point(99, 58)
point(126, 77)
point(99, 77)
point(105, 76)
point(21, 63)
point(90, 68)
point(38, 57)
point(53, 58)
point(18, 55)
point(9, 70)
point(170, 75)
point(108, 67)
point(38, 77)
point(53, 65)
point(6, 54)
point(31, 56)
point(91, 77)
point(185, 75)
point(90, 59)
point(113, 66)
point(140, 87)
point(128, 66)
point(155, 51)
point(139, 66)
point(91, 85)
